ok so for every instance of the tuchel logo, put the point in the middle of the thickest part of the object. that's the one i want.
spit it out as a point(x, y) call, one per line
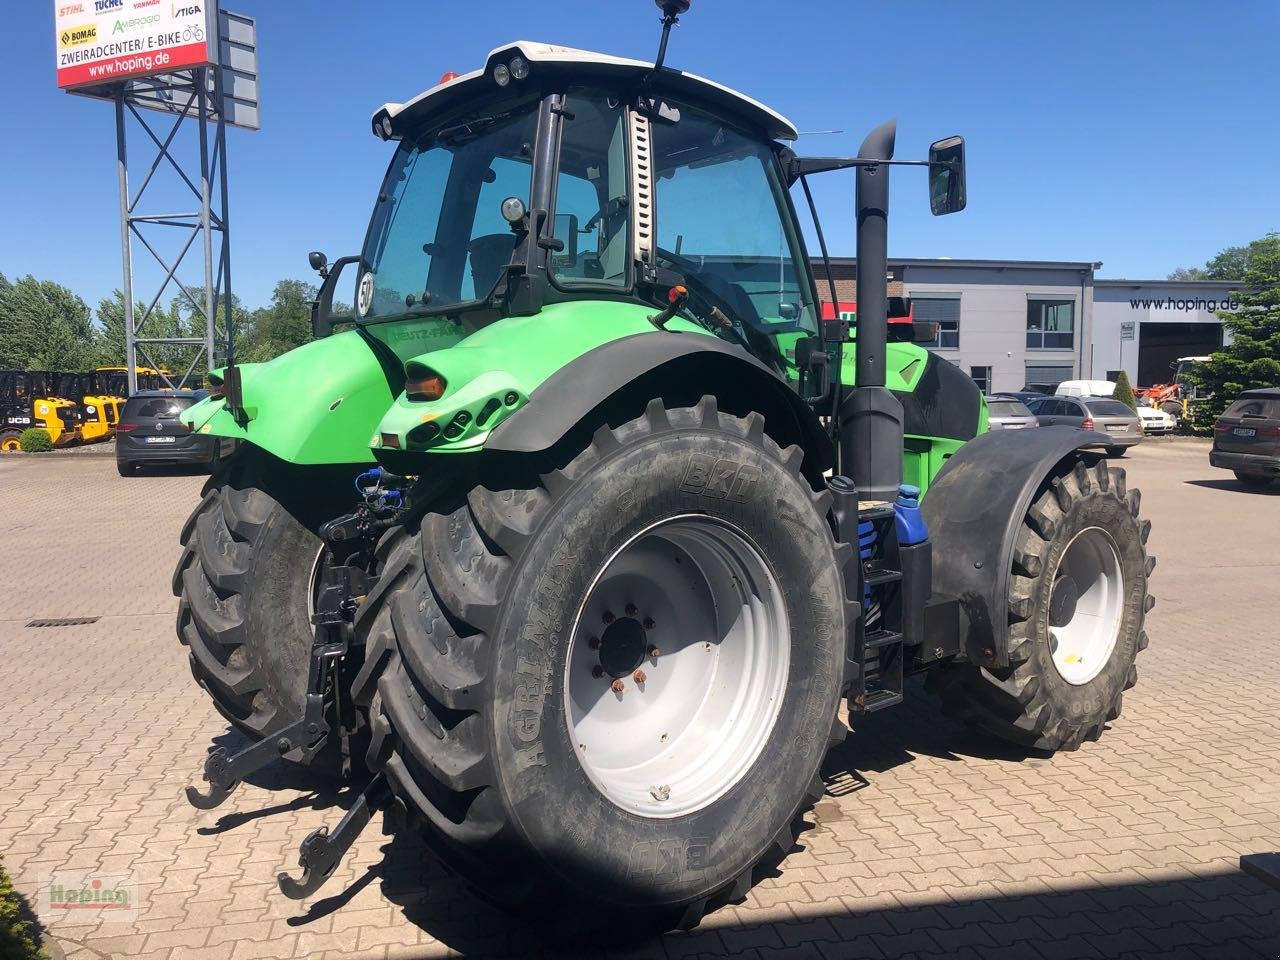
point(102, 6)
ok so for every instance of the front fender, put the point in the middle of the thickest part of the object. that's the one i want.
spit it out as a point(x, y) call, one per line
point(317, 404)
point(974, 509)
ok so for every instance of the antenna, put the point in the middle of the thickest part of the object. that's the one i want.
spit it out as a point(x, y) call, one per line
point(671, 11)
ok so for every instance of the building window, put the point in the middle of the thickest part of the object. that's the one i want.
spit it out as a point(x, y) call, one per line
point(1046, 378)
point(982, 377)
point(1113, 375)
point(1051, 324)
point(945, 312)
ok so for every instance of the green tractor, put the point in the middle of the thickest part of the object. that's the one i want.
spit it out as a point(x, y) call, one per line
point(569, 549)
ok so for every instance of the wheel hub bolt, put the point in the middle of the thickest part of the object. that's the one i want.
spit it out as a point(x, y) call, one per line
point(617, 686)
point(654, 652)
point(660, 793)
point(593, 643)
point(648, 623)
point(597, 671)
point(631, 609)
point(639, 676)
point(608, 616)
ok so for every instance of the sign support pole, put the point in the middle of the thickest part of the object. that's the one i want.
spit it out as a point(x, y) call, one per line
point(126, 252)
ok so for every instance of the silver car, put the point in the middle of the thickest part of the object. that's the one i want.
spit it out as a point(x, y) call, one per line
point(1009, 413)
point(1121, 426)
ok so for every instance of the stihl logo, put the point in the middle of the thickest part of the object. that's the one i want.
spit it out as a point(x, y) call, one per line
point(720, 479)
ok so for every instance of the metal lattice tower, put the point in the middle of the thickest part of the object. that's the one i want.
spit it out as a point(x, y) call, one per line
point(192, 96)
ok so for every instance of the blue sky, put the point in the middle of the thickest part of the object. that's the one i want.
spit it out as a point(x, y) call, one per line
point(1143, 135)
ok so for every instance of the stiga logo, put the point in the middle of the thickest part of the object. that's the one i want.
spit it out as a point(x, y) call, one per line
point(190, 11)
point(102, 6)
point(75, 36)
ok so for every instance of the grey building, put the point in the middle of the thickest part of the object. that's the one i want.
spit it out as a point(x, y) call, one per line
point(1011, 324)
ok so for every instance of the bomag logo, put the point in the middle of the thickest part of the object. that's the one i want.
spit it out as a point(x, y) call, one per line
point(74, 36)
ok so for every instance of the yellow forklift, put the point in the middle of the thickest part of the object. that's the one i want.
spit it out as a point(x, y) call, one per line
point(97, 408)
point(27, 400)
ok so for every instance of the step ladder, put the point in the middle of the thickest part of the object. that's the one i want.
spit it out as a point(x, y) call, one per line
point(878, 650)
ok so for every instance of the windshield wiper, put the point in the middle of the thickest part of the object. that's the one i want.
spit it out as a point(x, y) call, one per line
point(470, 129)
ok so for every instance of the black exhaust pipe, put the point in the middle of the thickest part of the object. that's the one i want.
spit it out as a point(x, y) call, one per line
point(871, 416)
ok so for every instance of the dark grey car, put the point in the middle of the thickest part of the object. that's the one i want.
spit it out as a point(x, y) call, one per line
point(149, 433)
point(1119, 425)
point(1246, 438)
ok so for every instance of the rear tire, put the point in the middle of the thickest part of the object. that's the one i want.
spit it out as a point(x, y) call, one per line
point(477, 649)
point(1255, 480)
point(1058, 690)
point(1116, 452)
point(244, 584)
point(10, 441)
point(126, 468)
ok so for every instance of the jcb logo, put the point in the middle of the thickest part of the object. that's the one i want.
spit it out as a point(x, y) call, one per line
point(721, 479)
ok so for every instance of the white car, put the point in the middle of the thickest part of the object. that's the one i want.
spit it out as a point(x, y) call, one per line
point(1155, 420)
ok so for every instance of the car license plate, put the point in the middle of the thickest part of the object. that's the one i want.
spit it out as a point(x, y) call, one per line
point(1115, 427)
point(1014, 426)
point(159, 439)
point(1244, 431)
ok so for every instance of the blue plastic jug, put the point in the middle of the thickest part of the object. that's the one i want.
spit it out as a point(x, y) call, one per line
point(911, 526)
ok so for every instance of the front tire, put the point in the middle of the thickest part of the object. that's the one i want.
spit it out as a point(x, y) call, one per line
point(508, 616)
point(244, 583)
point(1077, 601)
point(1116, 452)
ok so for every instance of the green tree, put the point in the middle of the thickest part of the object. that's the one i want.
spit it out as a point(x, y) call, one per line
point(44, 326)
point(280, 326)
point(1252, 359)
point(1124, 392)
point(1230, 264)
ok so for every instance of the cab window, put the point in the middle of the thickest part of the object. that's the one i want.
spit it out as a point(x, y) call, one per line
point(724, 222)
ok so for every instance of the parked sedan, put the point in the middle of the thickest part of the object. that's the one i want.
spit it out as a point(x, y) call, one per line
point(1119, 424)
point(1246, 439)
point(1005, 413)
point(149, 433)
point(1155, 421)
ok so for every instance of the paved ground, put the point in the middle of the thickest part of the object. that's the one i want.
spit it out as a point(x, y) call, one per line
point(930, 842)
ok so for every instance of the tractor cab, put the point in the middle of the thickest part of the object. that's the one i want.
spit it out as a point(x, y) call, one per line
point(556, 175)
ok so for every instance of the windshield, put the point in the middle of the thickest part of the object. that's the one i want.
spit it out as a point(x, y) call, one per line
point(438, 238)
point(1108, 408)
point(1007, 408)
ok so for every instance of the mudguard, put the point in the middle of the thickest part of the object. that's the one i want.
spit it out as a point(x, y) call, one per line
point(583, 384)
point(974, 509)
point(317, 404)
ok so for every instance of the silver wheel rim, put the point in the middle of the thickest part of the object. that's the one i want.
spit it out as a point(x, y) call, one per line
point(1083, 642)
point(693, 603)
point(313, 582)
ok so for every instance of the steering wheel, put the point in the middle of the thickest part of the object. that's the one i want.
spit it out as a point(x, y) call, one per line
point(732, 303)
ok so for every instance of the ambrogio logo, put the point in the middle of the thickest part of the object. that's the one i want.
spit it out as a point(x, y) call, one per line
point(134, 23)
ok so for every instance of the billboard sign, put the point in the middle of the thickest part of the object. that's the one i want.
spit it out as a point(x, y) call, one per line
point(108, 41)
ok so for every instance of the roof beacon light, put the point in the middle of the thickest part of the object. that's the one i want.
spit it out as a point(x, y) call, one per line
point(445, 78)
point(519, 68)
point(501, 75)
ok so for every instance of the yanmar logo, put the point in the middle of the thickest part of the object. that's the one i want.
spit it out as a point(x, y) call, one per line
point(139, 4)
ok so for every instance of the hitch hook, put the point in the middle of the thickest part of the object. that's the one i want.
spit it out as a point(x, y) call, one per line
point(322, 851)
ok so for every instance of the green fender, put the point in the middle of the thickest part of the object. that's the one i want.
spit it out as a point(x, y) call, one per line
point(317, 404)
point(491, 373)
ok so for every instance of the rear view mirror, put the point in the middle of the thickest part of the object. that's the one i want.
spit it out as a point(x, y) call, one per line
point(323, 314)
point(946, 176)
point(566, 231)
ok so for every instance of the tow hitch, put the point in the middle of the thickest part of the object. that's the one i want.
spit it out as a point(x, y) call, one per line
point(328, 712)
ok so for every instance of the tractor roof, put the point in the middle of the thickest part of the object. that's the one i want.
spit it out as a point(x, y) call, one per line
point(586, 65)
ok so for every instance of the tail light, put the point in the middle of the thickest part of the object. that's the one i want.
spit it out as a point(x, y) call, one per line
point(1034, 422)
point(423, 383)
point(1221, 427)
point(126, 427)
point(1088, 424)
